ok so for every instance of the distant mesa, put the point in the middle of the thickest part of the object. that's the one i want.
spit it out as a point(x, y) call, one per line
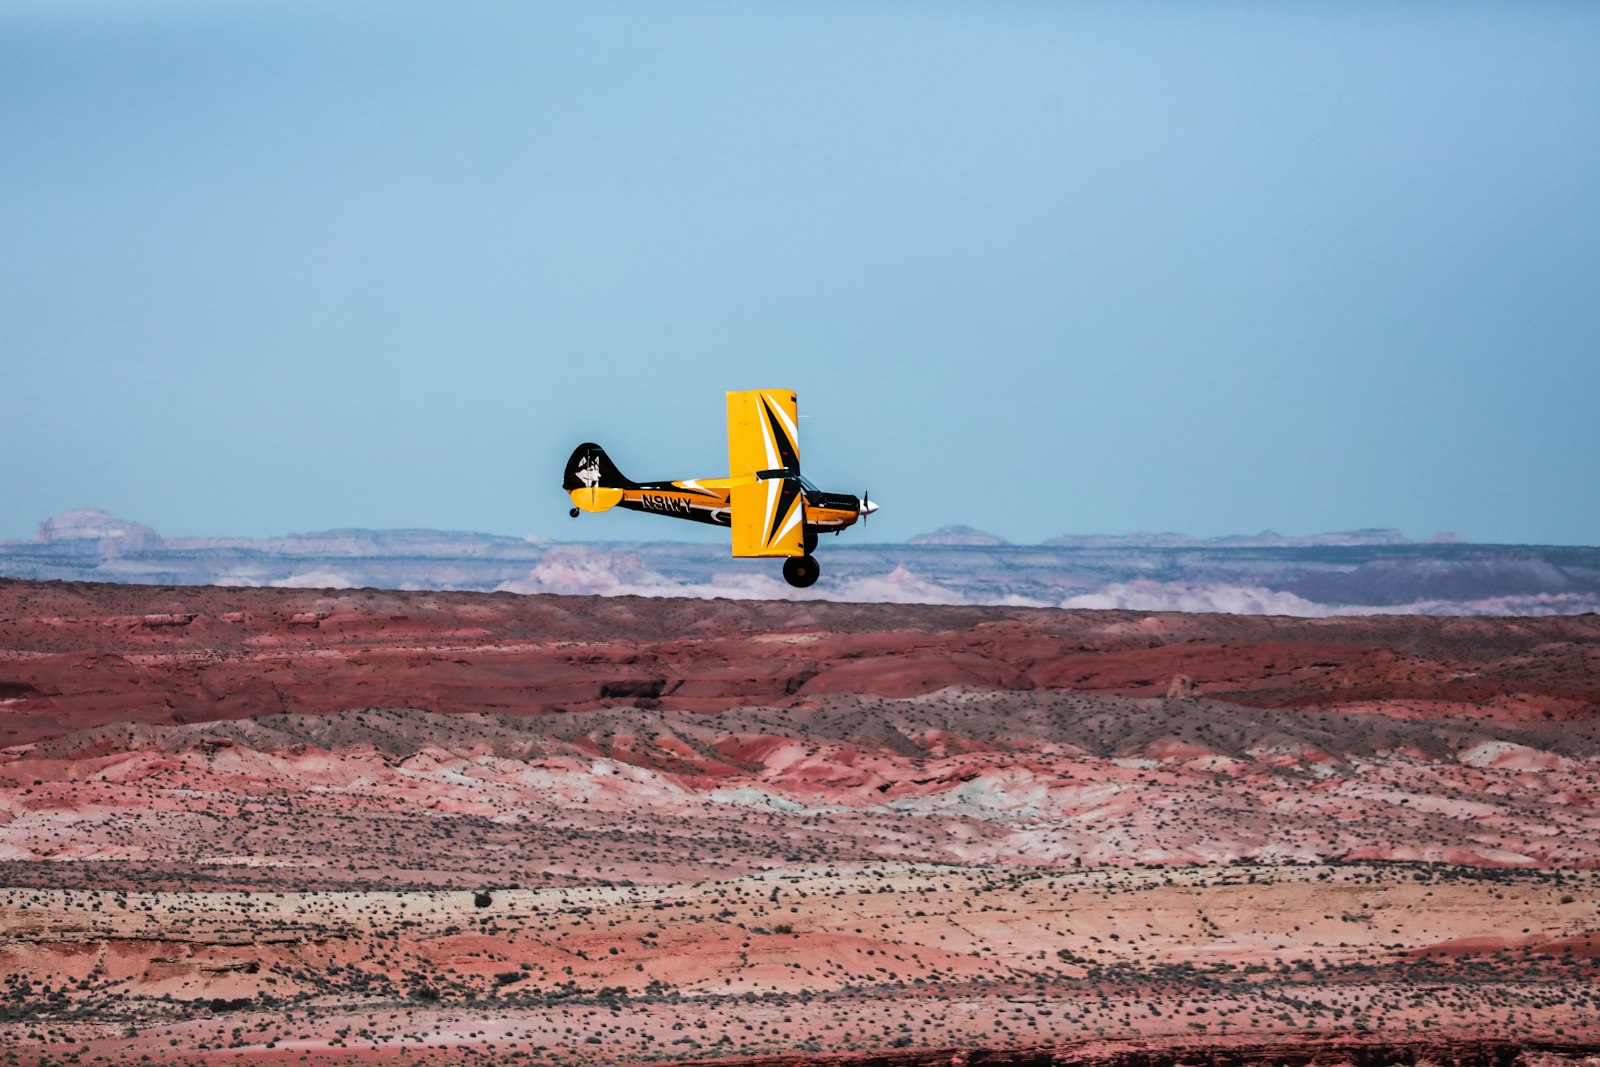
point(108, 532)
point(1133, 540)
point(1264, 539)
point(1344, 573)
point(957, 535)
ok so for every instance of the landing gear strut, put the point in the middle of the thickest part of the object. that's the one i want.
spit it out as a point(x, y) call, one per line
point(801, 571)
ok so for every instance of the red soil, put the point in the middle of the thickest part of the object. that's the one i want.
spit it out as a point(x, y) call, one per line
point(788, 833)
point(850, 961)
point(74, 655)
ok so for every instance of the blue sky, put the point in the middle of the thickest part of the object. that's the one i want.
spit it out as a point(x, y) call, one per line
point(1035, 267)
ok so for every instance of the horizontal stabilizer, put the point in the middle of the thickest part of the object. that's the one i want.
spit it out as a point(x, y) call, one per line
point(599, 498)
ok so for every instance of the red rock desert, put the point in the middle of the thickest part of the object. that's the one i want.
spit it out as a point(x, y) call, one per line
point(358, 826)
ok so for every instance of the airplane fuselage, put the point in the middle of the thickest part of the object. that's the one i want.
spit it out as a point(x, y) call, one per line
point(771, 510)
point(688, 499)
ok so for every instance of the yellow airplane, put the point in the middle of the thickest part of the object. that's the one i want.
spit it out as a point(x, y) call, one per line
point(771, 509)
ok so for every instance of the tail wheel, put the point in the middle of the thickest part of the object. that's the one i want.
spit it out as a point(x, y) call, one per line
point(801, 571)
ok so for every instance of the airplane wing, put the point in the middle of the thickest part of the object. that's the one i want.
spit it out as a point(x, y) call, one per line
point(768, 509)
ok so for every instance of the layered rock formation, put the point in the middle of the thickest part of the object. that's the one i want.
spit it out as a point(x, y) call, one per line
point(366, 826)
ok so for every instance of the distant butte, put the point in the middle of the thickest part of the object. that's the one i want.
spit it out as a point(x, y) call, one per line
point(957, 535)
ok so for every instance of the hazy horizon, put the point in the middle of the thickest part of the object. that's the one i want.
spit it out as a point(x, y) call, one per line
point(1036, 269)
point(641, 527)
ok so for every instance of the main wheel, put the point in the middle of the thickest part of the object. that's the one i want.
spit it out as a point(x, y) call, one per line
point(801, 571)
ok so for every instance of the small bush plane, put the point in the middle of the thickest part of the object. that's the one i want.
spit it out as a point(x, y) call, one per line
point(766, 502)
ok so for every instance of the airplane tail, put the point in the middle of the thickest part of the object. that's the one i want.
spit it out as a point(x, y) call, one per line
point(590, 468)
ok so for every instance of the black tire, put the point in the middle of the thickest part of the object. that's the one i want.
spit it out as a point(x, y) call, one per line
point(573, 513)
point(801, 571)
point(810, 542)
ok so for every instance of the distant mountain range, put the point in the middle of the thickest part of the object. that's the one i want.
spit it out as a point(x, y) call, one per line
point(1354, 572)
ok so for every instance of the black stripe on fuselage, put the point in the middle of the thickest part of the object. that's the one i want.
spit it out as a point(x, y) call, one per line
point(674, 487)
point(711, 516)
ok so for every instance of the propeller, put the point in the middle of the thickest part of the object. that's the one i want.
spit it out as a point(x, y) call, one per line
point(867, 506)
